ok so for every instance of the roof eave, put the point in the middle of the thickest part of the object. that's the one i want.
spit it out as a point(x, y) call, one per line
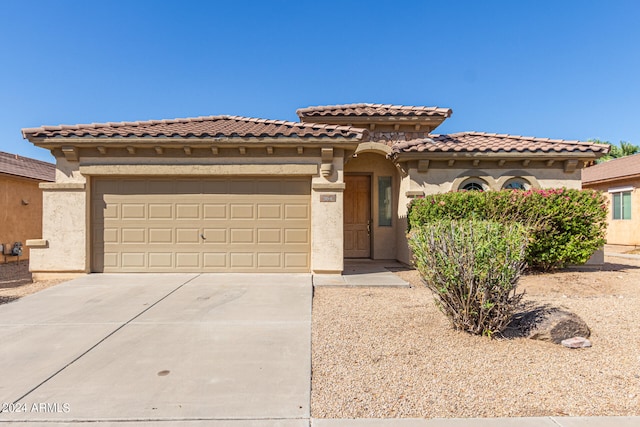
point(55, 142)
point(612, 179)
point(461, 155)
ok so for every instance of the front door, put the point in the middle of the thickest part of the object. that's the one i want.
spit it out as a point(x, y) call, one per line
point(357, 216)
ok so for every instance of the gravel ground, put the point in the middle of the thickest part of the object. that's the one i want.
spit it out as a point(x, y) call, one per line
point(391, 353)
point(16, 282)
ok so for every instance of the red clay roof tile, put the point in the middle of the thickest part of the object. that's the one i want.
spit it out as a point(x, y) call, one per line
point(496, 143)
point(210, 126)
point(370, 110)
point(12, 164)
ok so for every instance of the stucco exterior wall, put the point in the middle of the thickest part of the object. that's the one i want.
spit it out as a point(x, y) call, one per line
point(384, 238)
point(327, 250)
point(66, 202)
point(622, 231)
point(20, 213)
point(444, 179)
point(64, 235)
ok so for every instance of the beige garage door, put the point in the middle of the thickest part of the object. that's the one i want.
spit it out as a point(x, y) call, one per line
point(235, 225)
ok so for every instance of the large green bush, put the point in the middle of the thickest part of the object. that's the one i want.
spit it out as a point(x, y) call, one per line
point(565, 226)
point(473, 268)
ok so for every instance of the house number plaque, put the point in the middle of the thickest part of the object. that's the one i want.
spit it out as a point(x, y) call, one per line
point(327, 197)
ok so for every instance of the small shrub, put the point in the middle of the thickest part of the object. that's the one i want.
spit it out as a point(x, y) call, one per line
point(473, 268)
point(566, 226)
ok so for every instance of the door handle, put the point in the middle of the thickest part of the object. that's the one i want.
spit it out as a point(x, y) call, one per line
point(369, 228)
point(202, 236)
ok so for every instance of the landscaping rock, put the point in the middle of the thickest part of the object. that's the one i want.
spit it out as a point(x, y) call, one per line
point(576, 342)
point(548, 324)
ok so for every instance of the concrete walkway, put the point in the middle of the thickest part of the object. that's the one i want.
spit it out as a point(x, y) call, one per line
point(361, 272)
point(183, 350)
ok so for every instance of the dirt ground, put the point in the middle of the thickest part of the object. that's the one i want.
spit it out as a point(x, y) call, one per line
point(16, 281)
point(390, 352)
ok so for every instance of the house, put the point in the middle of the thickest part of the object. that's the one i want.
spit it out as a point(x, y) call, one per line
point(21, 201)
point(237, 194)
point(620, 180)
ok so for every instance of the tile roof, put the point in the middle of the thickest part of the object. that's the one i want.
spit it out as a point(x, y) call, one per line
point(12, 164)
point(613, 169)
point(372, 110)
point(210, 126)
point(494, 143)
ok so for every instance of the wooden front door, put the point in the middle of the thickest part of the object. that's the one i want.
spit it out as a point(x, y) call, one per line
point(357, 216)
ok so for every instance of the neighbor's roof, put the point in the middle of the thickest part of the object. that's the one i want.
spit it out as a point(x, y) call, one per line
point(372, 110)
point(494, 143)
point(613, 169)
point(198, 127)
point(12, 164)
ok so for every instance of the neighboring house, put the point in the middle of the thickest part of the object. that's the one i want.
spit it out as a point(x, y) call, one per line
point(21, 201)
point(620, 180)
point(226, 193)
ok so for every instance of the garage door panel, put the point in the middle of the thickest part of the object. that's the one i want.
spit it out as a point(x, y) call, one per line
point(160, 211)
point(269, 211)
point(297, 211)
point(133, 235)
point(133, 259)
point(187, 211)
point(160, 259)
point(110, 260)
point(242, 260)
point(215, 235)
point(241, 211)
point(215, 260)
point(269, 235)
point(160, 235)
point(187, 259)
point(133, 211)
point(161, 230)
point(215, 211)
point(269, 260)
point(296, 260)
point(296, 235)
point(187, 235)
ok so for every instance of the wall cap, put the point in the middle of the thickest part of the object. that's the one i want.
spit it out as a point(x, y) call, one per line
point(37, 243)
point(61, 186)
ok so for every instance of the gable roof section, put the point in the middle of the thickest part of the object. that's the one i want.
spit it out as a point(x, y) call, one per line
point(481, 142)
point(12, 164)
point(615, 169)
point(372, 110)
point(199, 127)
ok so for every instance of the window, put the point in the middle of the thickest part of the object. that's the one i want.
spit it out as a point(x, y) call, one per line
point(516, 184)
point(474, 184)
point(385, 205)
point(621, 204)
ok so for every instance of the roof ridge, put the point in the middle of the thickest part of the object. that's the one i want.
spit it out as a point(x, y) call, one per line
point(318, 108)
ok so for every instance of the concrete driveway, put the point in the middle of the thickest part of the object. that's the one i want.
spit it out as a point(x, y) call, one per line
point(210, 349)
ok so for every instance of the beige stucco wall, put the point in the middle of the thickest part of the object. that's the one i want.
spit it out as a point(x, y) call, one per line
point(384, 239)
point(20, 213)
point(622, 231)
point(66, 206)
point(441, 179)
point(64, 224)
point(327, 251)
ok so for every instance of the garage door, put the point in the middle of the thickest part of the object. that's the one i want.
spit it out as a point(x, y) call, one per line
point(225, 225)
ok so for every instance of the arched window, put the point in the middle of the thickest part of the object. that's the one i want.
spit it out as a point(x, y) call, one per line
point(474, 184)
point(516, 184)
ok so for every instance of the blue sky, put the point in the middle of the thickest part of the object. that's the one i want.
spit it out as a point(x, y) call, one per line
point(558, 69)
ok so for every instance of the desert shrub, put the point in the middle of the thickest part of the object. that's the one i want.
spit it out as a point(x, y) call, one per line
point(565, 226)
point(472, 266)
